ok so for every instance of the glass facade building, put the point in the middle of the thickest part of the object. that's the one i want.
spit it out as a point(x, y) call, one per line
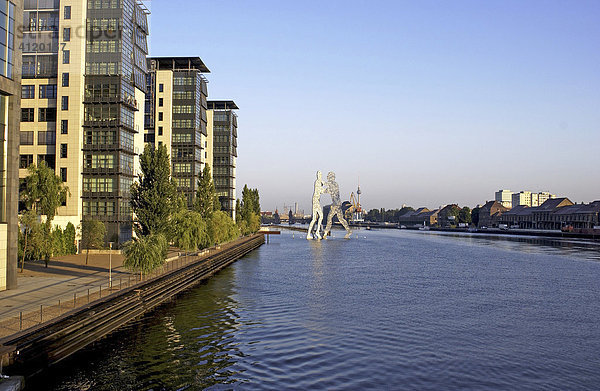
point(224, 139)
point(176, 105)
point(115, 83)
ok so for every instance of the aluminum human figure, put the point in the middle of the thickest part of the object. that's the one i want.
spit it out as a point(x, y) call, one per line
point(317, 209)
point(336, 206)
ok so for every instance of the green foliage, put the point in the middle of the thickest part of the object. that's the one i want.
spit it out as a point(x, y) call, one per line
point(464, 216)
point(206, 196)
point(249, 211)
point(242, 226)
point(383, 215)
point(143, 255)
point(44, 191)
point(43, 194)
point(69, 239)
point(93, 236)
point(475, 216)
point(190, 231)
point(155, 199)
point(221, 228)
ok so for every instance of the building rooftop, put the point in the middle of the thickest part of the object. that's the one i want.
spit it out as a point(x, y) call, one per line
point(554, 203)
point(222, 105)
point(179, 63)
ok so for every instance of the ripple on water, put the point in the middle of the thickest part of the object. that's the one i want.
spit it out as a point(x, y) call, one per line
point(391, 310)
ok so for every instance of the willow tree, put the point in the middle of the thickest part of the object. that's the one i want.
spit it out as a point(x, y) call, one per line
point(190, 231)
point(145, 254)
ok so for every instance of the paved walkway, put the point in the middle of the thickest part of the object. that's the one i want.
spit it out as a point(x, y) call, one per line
point(63, 278)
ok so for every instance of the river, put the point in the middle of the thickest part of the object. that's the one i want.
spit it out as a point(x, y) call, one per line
point(388, 310)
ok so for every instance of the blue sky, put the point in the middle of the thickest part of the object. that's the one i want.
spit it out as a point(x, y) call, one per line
point(428, 102)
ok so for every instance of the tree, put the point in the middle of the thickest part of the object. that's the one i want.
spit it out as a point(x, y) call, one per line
point(249, 211)
point(30, 225)
point(190, 231)
point(464, 216)
point(44, 193)
point(290, 218)
point(145, 253)
point(155, 199)
point(475, 216)
point(206, 196)
point(69, 238)
point(221, 228)
point(93, 233)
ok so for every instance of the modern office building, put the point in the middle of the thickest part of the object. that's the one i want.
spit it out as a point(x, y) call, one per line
point(222, 132)
point(84, 81)
point(504, 197)
point(10, 96)
point(530, 199)
point(176, 116)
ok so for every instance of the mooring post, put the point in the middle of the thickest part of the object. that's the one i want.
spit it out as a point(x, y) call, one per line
point(41, 313)
point(100, 291)
point(20, 320)
point(59, 307)
point(74, 299)
point(120, 283)
point(88, 295)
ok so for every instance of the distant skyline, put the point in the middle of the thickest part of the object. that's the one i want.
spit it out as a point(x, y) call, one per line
point(428, 102)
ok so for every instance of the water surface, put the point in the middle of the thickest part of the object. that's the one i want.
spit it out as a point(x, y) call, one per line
point(385, 310)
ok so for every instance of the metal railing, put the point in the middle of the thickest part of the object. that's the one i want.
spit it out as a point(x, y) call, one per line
point(57, 307)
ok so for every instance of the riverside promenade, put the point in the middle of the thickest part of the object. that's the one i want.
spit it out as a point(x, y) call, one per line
point(69, 327)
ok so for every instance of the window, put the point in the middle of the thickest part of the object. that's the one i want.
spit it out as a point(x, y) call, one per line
point(68, 12)
point(46, 138)
point(47, 114)
point(48, 91)
point(25, 161)
point(26, 138)
point(66, 56)
point(49, 159)
point(161, 102)
point(64, 103)
point(66, 34)
point(27, 92)
point(65, 79)
point(63, 151)
point(160, 116)
point(64, 126)
point(63, 174)
point(160, 130)
point(27, 115)
point(161, 87)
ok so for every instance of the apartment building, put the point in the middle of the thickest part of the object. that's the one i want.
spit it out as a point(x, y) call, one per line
point(530, 199)
point(222, 133)
point(504, 197)
point(10, 96)
point(84, 76)
point(176, 116)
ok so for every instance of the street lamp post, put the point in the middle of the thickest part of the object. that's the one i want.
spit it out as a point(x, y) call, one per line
point(110, 245)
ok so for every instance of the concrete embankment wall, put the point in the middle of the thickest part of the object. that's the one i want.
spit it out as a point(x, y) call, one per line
point(37, 348)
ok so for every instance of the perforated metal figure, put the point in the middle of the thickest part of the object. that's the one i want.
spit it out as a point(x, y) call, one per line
point(317, 209)
point(336, 206)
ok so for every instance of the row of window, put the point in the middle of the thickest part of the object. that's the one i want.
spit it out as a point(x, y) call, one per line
point(45, 114)
point(103, 47)
point(183, 94)
point(98, 208)
point(99, 185)
point(103, 4)
point(183, 110)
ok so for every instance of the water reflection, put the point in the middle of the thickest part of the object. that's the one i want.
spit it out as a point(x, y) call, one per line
point(384, 310)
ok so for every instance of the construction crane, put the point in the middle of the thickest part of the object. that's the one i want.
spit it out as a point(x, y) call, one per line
point(355, 213)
